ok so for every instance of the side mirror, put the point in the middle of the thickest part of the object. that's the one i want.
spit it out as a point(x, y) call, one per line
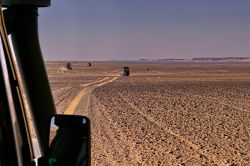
point(70, 141)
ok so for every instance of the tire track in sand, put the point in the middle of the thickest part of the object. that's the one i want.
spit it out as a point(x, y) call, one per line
point(188, 142)
point(94, 82)
point(116, 135)
point(75, 102)
point(103, 83)
point(101, 133)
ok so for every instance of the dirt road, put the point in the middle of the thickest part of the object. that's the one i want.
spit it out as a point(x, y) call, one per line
point(86, 91)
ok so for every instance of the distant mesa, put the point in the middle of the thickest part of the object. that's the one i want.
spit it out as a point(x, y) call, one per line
point(203, 59)
point(163, 60)
point(224, 59)
point(171, 59)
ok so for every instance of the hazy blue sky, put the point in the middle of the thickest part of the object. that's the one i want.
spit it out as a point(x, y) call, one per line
point(134, 29)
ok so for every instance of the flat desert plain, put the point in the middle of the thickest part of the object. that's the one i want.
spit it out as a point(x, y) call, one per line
point(163, 114)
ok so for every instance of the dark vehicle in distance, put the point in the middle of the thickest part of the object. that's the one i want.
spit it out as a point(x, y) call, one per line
point(69, 66)
point(125, 71)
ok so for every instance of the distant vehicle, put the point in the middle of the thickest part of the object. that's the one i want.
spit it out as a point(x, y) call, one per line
point(69, 66)
point(125, 71)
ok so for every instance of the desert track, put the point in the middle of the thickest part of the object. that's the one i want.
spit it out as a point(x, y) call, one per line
point(176, 135)
point(173, 115)
point(76, 101)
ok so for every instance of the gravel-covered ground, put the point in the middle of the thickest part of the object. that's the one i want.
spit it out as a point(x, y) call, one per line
point(173, 114)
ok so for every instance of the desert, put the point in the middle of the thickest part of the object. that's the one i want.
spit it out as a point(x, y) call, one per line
point(180, 113)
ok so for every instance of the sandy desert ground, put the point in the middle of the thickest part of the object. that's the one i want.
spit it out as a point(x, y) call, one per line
point(173, 114)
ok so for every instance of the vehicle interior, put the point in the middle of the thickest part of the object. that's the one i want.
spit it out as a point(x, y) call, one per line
point(24, 83)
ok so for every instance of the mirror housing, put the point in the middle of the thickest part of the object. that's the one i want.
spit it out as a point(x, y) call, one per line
point(69, 141)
